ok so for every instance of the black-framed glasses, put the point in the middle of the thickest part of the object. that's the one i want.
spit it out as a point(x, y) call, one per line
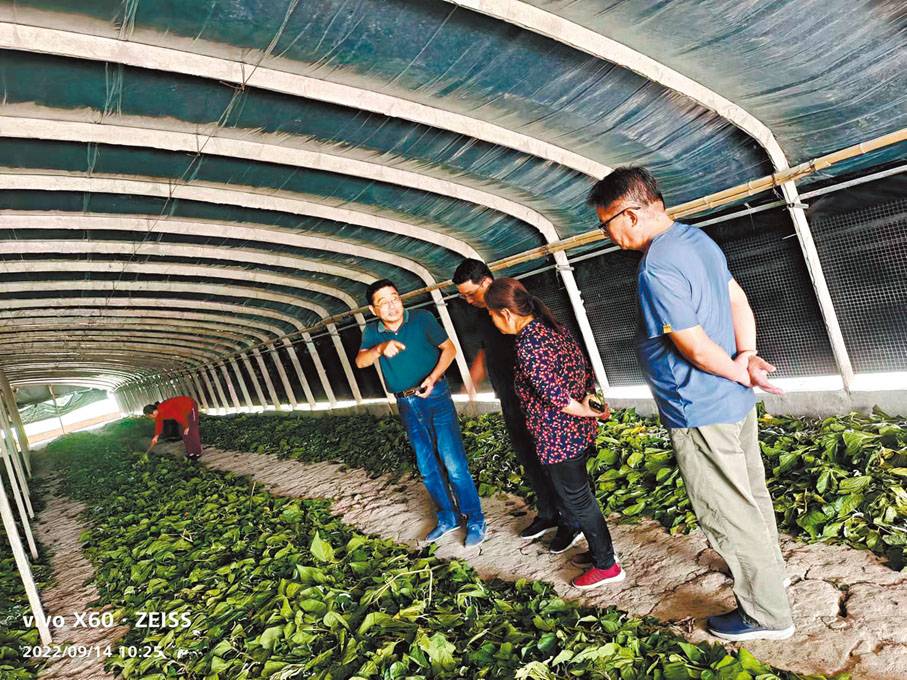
point(604, 225)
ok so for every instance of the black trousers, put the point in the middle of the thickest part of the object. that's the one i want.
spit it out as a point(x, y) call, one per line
point(547, 500)
point(571, 481)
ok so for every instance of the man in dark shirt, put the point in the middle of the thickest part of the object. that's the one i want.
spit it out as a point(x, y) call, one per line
point(496, 358)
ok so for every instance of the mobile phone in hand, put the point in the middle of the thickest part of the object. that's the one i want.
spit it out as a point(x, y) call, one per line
point(596, 405)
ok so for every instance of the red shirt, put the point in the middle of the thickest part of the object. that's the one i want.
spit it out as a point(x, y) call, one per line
point(550, 370)
point(177, 409)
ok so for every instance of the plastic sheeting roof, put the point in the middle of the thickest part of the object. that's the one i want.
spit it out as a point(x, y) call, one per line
point(253, 165)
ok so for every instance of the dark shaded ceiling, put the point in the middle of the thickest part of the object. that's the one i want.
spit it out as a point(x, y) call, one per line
point(250, 166)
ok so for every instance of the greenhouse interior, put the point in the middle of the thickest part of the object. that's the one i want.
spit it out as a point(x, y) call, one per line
point(453, 338)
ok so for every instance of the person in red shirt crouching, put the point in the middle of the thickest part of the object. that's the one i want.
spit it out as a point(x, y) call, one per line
point(555, 385)
point(183, 410)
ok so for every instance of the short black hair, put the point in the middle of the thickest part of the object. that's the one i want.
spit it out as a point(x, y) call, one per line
point(628, 182)
point(472, 270)
point(150, 408)
point(376, 286)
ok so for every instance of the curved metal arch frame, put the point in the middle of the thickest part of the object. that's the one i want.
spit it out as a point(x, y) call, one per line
point(123, 323)
point(66, 303)
point(34, 38)
point(152, 268)
point(222, 290)
point(181, 350)
point(228, 194)
point(10, 220)
point(171, 287)
point(183, 141)
point(108, 323)
point(80, 382)
point(513, 11)
point(215, 290)
point(131, 359)
point(97, 307)
point(550, 25)
point(254, 146)
point(66, 336)
point(233, 274)
point(175, 304)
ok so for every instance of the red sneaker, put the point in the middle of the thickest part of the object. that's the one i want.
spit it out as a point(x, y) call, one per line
point(599, 577)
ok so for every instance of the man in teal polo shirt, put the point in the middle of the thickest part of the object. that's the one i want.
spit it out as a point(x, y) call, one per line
point(414, 351)
point(696, 345)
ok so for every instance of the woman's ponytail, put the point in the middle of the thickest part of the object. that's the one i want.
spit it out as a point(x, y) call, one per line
point(541, 310)
point(507, 293)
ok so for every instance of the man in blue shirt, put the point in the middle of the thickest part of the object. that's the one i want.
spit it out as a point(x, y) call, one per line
point(414, 351)
point(696, 344)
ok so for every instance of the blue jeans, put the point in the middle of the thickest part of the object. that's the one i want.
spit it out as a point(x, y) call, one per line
point(434, 432)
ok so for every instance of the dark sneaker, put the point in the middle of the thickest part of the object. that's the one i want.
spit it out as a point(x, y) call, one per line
point(439, 531)
point(582, 560)
point(475, 534)
point(565, 539)
point(599, 577)
point(538, 528)
point(735, 626)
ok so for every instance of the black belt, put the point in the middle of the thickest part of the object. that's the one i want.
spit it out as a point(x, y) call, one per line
point(412, 391)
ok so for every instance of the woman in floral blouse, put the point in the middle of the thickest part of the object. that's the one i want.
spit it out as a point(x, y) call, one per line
point(553, 381)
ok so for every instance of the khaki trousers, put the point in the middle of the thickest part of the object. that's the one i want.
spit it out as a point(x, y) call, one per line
point(725, 480)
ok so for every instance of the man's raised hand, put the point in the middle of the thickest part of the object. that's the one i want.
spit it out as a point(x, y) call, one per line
point(392, 348)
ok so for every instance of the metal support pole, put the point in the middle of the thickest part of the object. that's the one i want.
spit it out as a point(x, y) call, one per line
point(31, 591)
point(50, 388)
point(294, 359)
point(345, 362)
point(319, 367)
point(230, 388)
point(200, 391)
point(820, 285)
point(186, 387)
point(267, 378)
point(17, 419)
point(582, 319)
point(254, 378)
point(242, 383)
point(275, 357)
point(207, 380)
point(10, 444)
point(18, 496)
point(220, 389)
point(452, 333)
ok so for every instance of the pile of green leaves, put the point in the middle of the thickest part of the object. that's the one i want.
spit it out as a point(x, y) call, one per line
point(278, 588)
point(841, 479)
point(14, 636)
point(378, 446)
point(837, 480)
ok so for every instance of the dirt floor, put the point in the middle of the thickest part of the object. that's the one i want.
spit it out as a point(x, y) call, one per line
point(58, 529)
point(848, 607)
